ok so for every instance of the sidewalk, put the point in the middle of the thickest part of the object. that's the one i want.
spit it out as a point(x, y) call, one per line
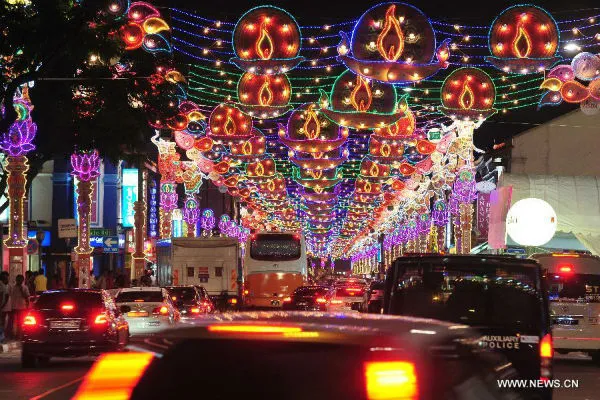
point(10, 346)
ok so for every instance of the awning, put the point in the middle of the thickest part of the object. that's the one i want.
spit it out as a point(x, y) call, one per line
point(575, 199)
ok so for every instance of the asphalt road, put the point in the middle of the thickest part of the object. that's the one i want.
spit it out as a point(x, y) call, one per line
point(60, 379)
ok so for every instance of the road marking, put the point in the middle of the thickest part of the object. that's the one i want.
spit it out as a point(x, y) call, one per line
point(56, 389)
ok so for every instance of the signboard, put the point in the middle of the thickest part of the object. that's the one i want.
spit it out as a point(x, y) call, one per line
point(110, 244)
point(32, 246)
point(67, 228)
point(100, 232)
point(483, 215)
point(46, 242)
point(129, 193)
point(203, 274)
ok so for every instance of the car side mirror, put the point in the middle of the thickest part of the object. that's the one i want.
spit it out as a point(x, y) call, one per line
point(124, 309)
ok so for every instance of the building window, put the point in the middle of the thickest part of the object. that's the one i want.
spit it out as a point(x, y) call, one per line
point(218, 271)
point(190, 272)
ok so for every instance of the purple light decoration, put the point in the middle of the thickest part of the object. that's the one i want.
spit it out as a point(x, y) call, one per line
point(18, 140)
point(440, 213)
point(223, 223)
point(423, 224)
point(208, 220)
point(86, 166)
point(191, 213)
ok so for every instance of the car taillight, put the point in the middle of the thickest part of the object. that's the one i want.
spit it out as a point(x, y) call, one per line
point(546, 354)
point(566, 269)
point(113, 376)
point(67, 307)
point(100, 319)
point(336, 302)
point(163, 310)
point(246, 292)
point(354, 291)
point(321, 300)
point(30, 321)
point(195, 310)
point(287, 299)
point(391, 380)
point(233, 301)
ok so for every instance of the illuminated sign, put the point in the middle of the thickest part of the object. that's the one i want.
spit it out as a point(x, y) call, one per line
point(129, 192)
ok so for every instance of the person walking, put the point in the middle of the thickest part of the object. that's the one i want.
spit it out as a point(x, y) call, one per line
point(19, 301)
point(4, 300)
point(40, 283)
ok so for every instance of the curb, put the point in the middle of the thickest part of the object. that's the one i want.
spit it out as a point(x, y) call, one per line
point(10, 346)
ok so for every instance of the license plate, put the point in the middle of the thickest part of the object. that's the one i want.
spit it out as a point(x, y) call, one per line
point(153, 323)
point(349, 304)
point(301, 303)
point(565, 321)
point(64, 324)
point(137, 314)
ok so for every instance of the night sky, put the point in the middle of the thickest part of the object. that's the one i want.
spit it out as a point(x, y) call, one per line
point(471, 12)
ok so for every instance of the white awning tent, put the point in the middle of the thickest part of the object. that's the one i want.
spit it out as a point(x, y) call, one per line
point(576, 200)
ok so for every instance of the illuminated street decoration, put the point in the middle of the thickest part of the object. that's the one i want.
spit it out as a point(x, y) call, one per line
point(468, 94)
point(191, 215)
point(394, 43)
point(86, 168)
point(207, 221)
point(524, 39)
point(264, 96)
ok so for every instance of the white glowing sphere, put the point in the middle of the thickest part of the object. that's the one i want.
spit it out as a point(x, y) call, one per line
point(531, 222)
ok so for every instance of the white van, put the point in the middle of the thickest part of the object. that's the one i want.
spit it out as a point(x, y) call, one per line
point(573, 282)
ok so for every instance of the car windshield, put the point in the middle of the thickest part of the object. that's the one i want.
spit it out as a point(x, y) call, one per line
point(574, 286)
point(154, 296)
point(54, 300)
point(377, 285)
point(185, 294)
point(469, 293)
point(275, 247)
point(310, 291)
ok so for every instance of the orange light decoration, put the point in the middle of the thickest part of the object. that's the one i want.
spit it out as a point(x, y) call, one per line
point(265, 94)
point(523, 39)
point(264, 44)
point(312, 126)
point(227, 122)
point(466, 97)
point(392, 32)
point(468, 94)
point(361, 96)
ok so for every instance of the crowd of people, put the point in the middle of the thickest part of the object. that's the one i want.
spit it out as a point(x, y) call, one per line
point(14, 300)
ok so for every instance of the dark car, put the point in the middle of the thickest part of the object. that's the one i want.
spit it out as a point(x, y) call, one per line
point(309, 298)
point(206, 299)
point(375, 296)
point(269, 356)
point(503, 297)
point(71, 323)
point(189, 301)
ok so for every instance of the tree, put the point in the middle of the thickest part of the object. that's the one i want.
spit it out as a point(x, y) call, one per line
point(87, 90)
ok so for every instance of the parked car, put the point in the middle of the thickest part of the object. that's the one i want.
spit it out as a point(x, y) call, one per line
point(503, 297)
point(72, 323)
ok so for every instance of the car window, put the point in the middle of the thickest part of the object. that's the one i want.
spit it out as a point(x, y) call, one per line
point(154, 296)
point(53, 300)
point(482, 295)
point(311, 291)
point(185, 294)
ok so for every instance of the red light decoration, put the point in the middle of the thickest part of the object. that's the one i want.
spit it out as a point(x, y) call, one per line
point(394, 43)
point(317, 179)
point(250, 149)
point(523, 39)
point(276, 185)
point(227, 122)
point(266, 41)
point(132, 35)
point(371, 170)
point(404, 127)
point(468, 94)
point(261, 170)
point(264, 96)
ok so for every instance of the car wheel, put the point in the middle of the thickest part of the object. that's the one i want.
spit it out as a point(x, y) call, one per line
point(28, 360)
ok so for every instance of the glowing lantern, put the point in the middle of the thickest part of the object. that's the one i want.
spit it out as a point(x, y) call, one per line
point(264, 96)
point(523, 39)
point(132, 35)
point(468, 93)
point(261, 170)
point(227, 122)
point(250, 149)
point(531, 222)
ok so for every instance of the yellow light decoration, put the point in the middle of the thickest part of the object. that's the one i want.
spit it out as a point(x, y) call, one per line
point(466, 97)
point(522, 43)
point(391, 29)
point(154, 25)
point(361, 96)
point(265, 95)
point(264, 44)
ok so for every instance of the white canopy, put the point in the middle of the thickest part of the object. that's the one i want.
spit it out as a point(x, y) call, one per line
point(576, 200)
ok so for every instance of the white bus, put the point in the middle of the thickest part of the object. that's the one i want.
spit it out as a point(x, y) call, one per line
point(274, 266)
point(573, 282)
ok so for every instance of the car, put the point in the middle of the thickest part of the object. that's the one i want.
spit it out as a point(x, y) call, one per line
point(189, 301)
point(503, 297)
point(351, 295)
point(71, 323)
point(309, 298)
point(206, 299)
point(375, 296)
point(305, 355)
point(147, 309)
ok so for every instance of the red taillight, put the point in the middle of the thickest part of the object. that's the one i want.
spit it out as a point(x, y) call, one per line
point(67, 307)
point(565, 269)
point(336, 302)
point(287, 299)
point(246, 292)
point(391, 380)
point(354, 291)
point(164, 310)
point(233, 301)
point(546, 350)
point(195, 310)
point(100, 319)
point(321, 300)
point(29, 321)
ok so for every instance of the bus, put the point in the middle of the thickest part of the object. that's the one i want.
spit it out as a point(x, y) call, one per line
point(573, 282)
point(274, 266)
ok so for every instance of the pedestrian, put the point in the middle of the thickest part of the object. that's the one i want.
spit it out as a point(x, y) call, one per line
point(4, 300)
point(40, 283)
point(19, 301)
point(29, 281)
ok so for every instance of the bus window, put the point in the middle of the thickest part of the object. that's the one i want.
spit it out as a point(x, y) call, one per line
point(275, 247)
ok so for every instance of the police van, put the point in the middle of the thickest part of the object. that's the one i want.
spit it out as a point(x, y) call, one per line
point(573, 282)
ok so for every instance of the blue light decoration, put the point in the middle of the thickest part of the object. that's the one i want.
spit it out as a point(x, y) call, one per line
point(153, 210)
point(47, 237)
point(393, 43)
point(129, 191)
